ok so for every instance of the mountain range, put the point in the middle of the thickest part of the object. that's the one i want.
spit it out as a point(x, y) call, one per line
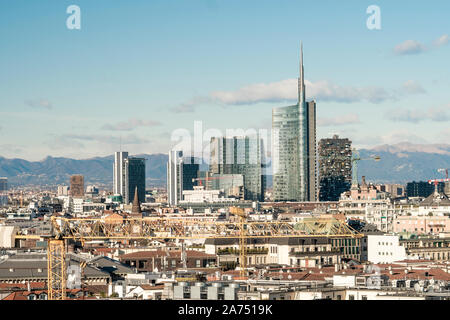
point(399, 163)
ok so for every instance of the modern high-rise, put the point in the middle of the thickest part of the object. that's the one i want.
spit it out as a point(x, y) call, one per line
point(240, 156)
point(181, 175)
point(3, 184)
point(128, 173)
point(335, 167)
point(119, 172)
point(3, 191)
point(77, 186)
point(294, 148)
point(134, 179)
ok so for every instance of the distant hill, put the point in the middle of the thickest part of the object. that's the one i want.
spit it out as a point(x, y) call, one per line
point(399, 163)
point(404, 162)
point(99, 170)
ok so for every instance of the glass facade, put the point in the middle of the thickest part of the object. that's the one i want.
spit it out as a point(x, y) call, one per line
point(136, 178)
point(294, 148)
point(240, 155)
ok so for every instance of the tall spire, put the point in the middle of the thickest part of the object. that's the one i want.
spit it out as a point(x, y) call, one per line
point(301, 78)
point(136, 207)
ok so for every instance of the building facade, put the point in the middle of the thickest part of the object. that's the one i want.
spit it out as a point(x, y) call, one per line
point(77, 185)
point(335, 167)
point(135, 179)
point(240, 156)
point(119, 172)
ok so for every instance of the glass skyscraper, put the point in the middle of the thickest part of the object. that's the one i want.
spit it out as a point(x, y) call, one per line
point(294, 148)
point(240, 156)
point(135, 177)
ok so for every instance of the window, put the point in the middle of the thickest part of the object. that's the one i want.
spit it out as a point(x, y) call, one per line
point(174, 263)
point(198, 263)
point(351, 297)
point(363, 297)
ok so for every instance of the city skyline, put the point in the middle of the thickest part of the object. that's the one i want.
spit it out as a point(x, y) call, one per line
point(84, 93)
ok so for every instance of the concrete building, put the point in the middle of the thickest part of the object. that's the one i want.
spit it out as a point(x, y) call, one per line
point(384, 248)
point(200, 195)
point(63, 191)
point(335, 167)
point(77, 185)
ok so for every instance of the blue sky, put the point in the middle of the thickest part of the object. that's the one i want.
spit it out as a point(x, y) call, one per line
point(151, 67)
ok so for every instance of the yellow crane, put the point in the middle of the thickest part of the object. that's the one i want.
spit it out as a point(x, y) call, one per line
point(149, 228)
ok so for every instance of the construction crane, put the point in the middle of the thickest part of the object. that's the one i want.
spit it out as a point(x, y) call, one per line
point(444, 171)
point(436, 181)
point(354, 160)
point(152, 228)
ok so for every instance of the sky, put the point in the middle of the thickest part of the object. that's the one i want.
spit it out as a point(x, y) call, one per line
point(137, 73)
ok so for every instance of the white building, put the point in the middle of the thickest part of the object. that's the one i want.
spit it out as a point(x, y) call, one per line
point(175, 177)
point(63, 191)
point(199, 194)
point(384, 249)
point(119, 173)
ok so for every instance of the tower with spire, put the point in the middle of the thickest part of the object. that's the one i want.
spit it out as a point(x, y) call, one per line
point(294, 147)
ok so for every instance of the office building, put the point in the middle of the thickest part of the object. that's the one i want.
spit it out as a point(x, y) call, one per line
point(77, 185)
point(182, 174)
point(239, 156)
point(335, 167)
point(175, 177)
point(294, 148)
point(134, 179)
point(128, 173)
point(3, 185)
point(422, 189)
point(119, 172)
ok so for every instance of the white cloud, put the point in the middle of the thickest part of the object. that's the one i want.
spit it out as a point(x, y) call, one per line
point(442, 40)
point(409, 47)
point(130, 124)
point(412, 87)
point(286, 90)
point(339, 120)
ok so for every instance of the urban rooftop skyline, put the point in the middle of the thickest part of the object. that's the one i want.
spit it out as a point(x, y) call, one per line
point(133, 74)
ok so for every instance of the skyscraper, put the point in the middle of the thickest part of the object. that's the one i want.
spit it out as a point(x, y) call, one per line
point(335, 167)
point(134, 179)
point(294, 148)
point(175, 177)
point(77, 185)
point(128, 173)
point(119, 172)
point(3, 184)
point(240, 156)
point(181, 175)
point(3, 191)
